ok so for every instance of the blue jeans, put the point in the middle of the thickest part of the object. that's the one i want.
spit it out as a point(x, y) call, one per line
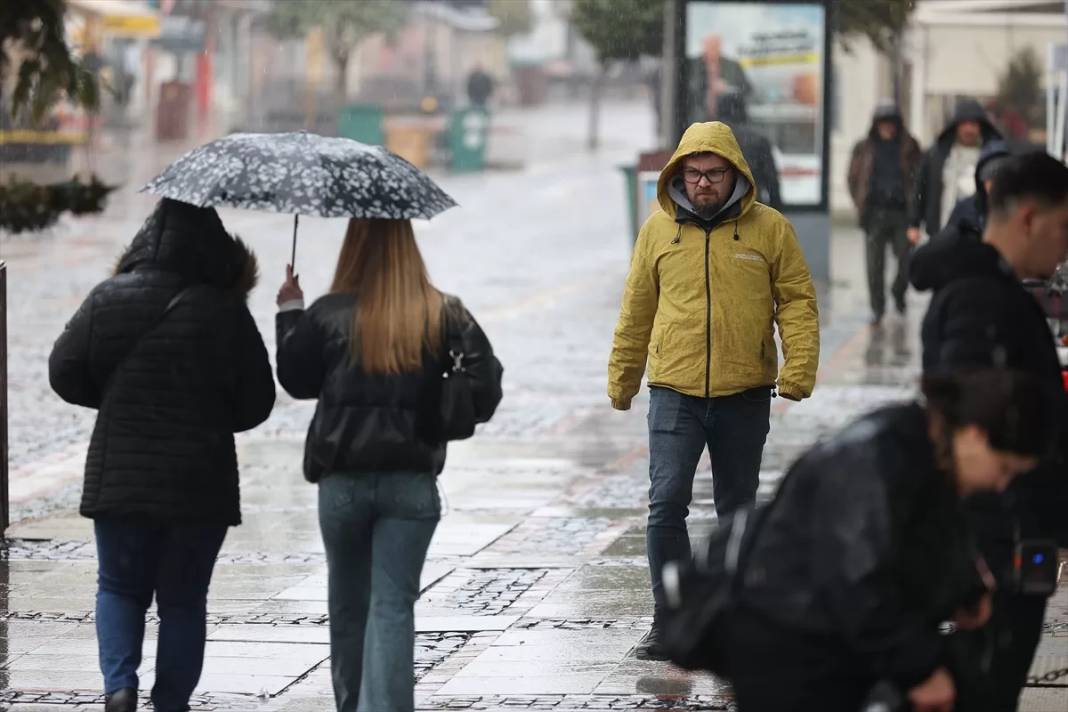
point(376, 529)
point(137, 559)
point(734, 429)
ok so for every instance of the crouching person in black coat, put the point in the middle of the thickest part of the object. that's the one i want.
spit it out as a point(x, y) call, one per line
point(865, 550)
point(168, 354)
point(373, 352)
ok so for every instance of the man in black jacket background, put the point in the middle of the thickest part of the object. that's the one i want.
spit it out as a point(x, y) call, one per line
point(757, 149)
point(948, 167)
point(882, 180)
point(981, 315)
point(970, 213)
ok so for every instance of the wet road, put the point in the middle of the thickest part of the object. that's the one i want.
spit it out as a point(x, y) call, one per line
point(536, 589)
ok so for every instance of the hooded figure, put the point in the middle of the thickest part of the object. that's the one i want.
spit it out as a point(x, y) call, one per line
point(757, 149)
point(713, 273)
point(862, 175)
point(969, 216)
point(953, 156)
point(172, 380)
point(882, 179)
point(704, 294)
point(951, 253)
point(169, 356)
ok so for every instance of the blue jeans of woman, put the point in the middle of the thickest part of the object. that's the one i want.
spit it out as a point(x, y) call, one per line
point(376, 529)
point(137, 560)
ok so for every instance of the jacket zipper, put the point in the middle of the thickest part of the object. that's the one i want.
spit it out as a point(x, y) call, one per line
point(708, 315)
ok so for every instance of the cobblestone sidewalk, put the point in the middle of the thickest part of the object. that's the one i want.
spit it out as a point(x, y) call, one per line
point(536, 588)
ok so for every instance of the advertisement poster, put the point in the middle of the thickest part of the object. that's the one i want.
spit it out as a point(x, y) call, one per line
point(759, 67)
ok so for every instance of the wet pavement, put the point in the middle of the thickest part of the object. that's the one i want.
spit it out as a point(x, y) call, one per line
point(536, 588)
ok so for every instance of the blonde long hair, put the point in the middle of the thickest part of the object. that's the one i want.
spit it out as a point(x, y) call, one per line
point(397, 317)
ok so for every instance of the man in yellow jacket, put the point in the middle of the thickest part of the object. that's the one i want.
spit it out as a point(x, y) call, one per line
point(713, 272)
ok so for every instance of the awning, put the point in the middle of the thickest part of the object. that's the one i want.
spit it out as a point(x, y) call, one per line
point(120, 18)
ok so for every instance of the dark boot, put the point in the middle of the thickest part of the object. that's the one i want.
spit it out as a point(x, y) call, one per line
point(651, 647)
point(125, 700)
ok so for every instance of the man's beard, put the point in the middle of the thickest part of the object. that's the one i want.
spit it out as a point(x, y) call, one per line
point(707, 211)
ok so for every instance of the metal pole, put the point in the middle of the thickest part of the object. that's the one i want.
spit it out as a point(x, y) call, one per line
point(1051, 93)
point(1060, 155)
point(5, 513)
point(669, 69)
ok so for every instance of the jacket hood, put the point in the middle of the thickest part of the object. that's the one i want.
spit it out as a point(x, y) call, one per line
point(710, 137)
point(952, 255)
point(969, 110)
point(191, 241)
point(886, 112)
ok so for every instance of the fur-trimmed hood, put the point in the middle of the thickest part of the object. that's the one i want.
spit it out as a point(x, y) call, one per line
point(191, 241)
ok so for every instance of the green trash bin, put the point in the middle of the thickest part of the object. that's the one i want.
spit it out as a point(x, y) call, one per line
point(362, 122)
point(468, 134)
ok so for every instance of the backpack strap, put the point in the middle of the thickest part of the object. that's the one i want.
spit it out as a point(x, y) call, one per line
point(453, 343)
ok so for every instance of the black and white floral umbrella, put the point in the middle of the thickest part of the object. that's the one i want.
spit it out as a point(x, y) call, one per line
point(301, 174)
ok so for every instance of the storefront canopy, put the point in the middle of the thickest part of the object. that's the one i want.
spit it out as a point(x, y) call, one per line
point(119, 18)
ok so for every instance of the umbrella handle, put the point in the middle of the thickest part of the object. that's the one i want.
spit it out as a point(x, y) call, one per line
point(293, 257)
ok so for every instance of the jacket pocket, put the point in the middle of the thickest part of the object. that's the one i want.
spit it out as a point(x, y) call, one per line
point(665, 410)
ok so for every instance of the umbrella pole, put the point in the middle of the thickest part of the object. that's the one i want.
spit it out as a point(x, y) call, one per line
point(293, 258)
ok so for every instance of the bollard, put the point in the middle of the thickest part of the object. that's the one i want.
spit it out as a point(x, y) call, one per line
point(4, 504)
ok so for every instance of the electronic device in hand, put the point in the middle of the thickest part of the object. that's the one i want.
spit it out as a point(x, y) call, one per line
point(1034, 567)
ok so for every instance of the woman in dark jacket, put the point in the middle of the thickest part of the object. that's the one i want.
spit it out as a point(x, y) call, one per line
point(167, 352)
point(864, 550)
point(372, 352)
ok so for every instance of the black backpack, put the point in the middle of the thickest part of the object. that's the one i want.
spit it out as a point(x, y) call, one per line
point(702, 593)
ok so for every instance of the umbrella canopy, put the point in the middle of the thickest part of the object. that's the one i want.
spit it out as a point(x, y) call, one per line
point(302, 174)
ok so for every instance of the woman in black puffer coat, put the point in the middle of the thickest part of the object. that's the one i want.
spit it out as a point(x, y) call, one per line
point(168, 353)
point(372, 352)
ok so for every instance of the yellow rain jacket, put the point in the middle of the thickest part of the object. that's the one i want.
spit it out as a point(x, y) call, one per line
point(701, 307)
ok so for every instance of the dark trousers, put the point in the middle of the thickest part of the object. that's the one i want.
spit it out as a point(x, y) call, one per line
point(773, 669)
point(734, 429)
point(137, 560)
point(886, 227)
point(991, 664)
point(376, 529)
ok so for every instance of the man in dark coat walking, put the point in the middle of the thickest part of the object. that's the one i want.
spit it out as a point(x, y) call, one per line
point(757, 149)
point(882, 179)
point(947, 172)
point(981, 315)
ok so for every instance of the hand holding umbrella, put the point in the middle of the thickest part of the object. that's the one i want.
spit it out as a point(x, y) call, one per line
point(290, 290)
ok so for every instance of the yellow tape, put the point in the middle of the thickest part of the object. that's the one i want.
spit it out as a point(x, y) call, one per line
point(774, 59)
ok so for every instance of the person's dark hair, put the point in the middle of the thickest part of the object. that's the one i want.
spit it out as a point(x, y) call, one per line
point(1010, 406)
point(1035, 175)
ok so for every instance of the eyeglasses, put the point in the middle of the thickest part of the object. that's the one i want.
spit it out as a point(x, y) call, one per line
point(694, 176)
